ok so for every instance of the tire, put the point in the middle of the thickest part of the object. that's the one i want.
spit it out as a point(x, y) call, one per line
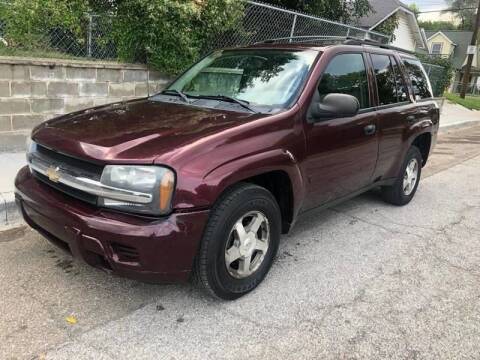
point(397, 194)
point(223, 237)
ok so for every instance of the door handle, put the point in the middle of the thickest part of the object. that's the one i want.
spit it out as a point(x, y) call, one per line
point(370, 129)
point(411, 119)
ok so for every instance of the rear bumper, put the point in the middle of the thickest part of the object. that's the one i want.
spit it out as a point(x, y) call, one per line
point(158, 250)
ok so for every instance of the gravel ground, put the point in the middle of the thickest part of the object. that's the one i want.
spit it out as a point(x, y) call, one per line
point(361, 280)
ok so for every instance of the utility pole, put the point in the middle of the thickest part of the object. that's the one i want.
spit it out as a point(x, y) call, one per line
point(468, 67)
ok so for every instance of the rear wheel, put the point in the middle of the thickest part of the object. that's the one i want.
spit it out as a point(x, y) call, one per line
point(240, 242)
point(404, 188)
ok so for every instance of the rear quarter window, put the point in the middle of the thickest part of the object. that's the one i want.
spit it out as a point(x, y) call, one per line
point(418, 78)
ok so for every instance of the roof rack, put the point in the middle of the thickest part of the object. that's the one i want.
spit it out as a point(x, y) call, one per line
point(370, 42)
point(304, 38)
point(346, 40)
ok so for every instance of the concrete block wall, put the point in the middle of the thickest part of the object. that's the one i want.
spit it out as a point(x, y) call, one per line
point(35, 90)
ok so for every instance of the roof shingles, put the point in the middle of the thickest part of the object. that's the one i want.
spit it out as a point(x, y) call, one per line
point(381, 9)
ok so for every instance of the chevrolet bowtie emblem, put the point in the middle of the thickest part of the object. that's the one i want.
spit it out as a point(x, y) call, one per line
point(53, 174)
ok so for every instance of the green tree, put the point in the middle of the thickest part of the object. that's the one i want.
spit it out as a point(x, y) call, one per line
point(465, 13)
point(170, 35)
point(27, 24)
point(388, 26)
point(437, 25)
point(416, 10)
point(336, 10)
point(443, 77)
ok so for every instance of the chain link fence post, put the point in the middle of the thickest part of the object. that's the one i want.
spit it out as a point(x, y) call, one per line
point(292, 32)
point(89, 36)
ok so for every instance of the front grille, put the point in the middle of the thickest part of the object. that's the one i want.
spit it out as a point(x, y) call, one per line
point(73, 166)
point(125, 253)
point(67, 190)
point(80, 167)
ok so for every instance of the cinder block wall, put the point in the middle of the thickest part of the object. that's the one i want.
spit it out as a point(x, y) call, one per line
point(34, 90)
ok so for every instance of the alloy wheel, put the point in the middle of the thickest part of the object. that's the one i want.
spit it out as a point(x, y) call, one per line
point(410, 177)
point(247, 244)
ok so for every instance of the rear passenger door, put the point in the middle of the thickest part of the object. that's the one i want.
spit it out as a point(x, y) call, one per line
point(395, 109)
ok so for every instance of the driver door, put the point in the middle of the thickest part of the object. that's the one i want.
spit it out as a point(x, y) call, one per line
point(341, 152)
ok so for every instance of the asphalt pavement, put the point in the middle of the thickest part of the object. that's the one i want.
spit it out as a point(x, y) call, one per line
point(361, 280)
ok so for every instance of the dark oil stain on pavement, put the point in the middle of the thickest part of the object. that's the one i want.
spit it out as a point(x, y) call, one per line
point(65, 264)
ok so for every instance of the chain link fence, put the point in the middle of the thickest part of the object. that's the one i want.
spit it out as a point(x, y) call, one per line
point(89, 35)
point(80, 35)
point(94, 42)
point(263, 22)
point(472, 89)
point(435, 73)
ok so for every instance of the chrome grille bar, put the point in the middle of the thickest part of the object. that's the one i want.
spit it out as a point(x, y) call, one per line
point(90, 186)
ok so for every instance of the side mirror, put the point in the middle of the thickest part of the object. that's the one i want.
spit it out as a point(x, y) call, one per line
point(334, 106)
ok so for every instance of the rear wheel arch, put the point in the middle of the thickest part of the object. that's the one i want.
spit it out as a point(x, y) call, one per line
point(423, 143)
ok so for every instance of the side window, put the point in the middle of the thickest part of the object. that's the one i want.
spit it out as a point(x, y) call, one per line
point(418, 77)
point(386, 81)
point(402, 90)
point(346, 74)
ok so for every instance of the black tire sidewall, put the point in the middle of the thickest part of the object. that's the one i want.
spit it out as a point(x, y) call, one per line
point(413, 153)
point(246, 199)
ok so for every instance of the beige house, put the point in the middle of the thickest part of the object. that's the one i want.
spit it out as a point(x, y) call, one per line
point(453, 45)
point(440, 45)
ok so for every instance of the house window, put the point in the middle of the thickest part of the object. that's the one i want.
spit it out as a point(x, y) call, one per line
point(437, 48)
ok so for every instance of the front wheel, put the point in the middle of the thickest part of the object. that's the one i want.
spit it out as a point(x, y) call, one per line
point(405, 186)
point(240, 242)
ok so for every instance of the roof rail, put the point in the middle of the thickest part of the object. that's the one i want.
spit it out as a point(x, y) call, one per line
point(347, 40)
point(305, 38)
point(357, 41)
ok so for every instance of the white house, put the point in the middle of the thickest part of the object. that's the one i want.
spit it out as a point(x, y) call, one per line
point(407, 35)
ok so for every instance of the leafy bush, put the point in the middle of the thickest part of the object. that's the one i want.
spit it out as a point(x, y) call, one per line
point(389, 26)
point(170, 35)
point(28, 24)
point(443, 78)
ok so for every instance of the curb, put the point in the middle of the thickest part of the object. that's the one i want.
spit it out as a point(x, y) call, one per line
point(458, 125)
point(9, 214)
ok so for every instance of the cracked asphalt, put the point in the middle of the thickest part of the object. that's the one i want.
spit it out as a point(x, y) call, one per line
point(361, 280)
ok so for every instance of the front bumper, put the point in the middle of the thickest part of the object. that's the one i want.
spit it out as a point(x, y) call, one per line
point(153, 250)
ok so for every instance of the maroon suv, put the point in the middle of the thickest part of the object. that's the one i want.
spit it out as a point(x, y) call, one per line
point(203, 177)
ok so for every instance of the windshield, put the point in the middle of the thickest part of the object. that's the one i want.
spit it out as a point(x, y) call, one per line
point(261, 78)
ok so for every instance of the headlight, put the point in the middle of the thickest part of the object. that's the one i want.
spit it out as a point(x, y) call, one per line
point(159, 182)
point(29, 145)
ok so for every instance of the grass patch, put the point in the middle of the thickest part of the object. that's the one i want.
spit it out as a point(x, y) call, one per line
point(470, 102)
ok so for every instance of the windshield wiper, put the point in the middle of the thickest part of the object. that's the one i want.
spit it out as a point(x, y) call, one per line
point(177, 92)
point(242, 103)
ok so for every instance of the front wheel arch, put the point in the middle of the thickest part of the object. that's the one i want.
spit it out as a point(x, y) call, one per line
point(274, 171)
point(279, 184)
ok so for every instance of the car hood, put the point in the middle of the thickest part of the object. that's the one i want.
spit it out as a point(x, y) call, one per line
point(136, 131)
